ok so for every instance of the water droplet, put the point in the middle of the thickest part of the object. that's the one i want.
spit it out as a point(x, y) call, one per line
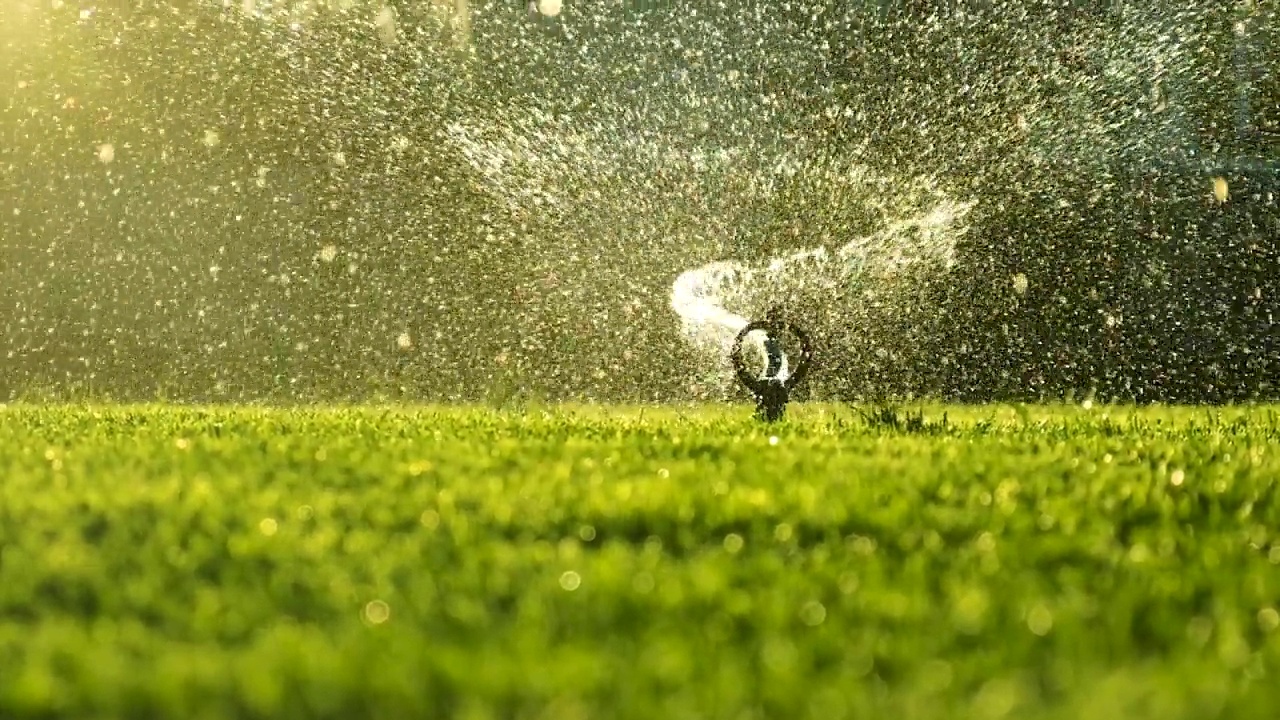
point(643, 582)
point(1199, 630)
point(385, 25)
point(1221, 192)
point(268, 526)
point(1268, 619)
point(430, 519)
point(1020, 283)
point(813, 613)
point(1040, 620)
point(848, 583)
point(377, 612)
point(570, 580)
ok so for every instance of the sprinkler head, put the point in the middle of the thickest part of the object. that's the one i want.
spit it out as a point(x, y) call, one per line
point(771, 391)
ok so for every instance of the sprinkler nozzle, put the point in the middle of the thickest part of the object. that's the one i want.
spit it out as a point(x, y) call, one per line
point(771, 391)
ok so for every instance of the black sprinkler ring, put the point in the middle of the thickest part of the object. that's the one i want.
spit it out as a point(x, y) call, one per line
point(771, 392)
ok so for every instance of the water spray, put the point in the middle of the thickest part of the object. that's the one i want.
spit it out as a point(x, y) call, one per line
point(847, 290)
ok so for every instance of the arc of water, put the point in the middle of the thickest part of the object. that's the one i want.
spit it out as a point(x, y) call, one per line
point(698, 297)
point(702, 297)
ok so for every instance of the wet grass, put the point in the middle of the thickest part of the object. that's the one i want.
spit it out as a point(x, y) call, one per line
point(1042, 562)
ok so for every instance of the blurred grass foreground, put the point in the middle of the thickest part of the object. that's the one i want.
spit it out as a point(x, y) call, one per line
point(1031, 563)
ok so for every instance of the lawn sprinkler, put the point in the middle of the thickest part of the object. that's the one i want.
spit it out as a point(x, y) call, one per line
point(773, 389)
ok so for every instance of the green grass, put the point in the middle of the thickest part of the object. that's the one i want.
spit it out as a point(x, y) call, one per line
point(625, 563)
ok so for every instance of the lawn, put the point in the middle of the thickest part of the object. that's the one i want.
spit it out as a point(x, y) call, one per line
point(583, 562)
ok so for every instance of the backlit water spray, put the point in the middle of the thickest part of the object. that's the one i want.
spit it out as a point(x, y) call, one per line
point(565, 172)
point(585, 201)
point(873, 270)
point(884, 237)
